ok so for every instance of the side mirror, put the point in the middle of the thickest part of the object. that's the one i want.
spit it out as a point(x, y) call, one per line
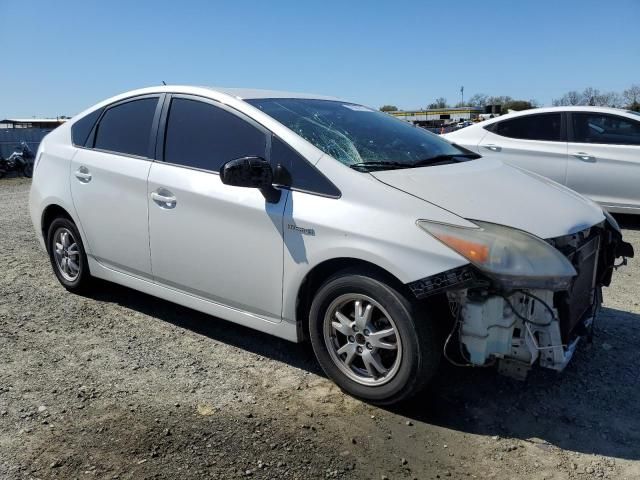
point(252, 172)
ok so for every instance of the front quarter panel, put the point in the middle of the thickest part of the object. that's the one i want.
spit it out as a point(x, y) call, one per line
point(372, 222)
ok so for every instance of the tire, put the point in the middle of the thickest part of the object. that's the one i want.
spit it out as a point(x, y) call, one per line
point(74, 279)
point(410, 355)
point(27, 170)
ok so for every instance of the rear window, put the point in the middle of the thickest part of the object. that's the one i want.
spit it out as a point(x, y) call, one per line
point(544, 126)
point(81, 129)
point(126, 128)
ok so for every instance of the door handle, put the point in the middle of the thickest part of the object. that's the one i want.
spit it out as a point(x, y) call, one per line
point(585, 157)
point(164, 198)
point(493, 147)
point(83, 174)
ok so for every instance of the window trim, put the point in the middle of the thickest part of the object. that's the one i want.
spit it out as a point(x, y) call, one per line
point(161, 137)
point(162, 133)
point(89, 135)
point(563, 127)
point(91, 139)
point(572, 138)
point(302, 190)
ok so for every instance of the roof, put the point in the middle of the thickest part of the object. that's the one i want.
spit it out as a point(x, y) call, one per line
point(577, 108)
point(34, 120)
point(580, 108)
point(435, 110)
point(254, 93)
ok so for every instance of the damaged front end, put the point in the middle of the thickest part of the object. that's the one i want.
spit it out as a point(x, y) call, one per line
point(515, 320)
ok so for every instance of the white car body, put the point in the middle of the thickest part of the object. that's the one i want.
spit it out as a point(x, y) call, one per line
point(181, 234)
point(608, 173)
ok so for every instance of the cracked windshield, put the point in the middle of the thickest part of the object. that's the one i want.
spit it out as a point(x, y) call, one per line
point(360, 137)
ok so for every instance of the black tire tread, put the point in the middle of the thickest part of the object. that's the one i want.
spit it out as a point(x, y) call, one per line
point(84, 282)
point(428, 353)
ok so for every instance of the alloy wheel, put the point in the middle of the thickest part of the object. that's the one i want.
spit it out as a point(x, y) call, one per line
point(362, 339)
point(66, 254)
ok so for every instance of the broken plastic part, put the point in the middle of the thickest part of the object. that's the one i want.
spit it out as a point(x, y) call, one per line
point(512, 258)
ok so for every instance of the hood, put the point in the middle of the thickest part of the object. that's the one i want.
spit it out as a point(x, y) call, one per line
point(491, 191)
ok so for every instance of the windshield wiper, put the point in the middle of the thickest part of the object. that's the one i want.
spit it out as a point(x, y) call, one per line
point(368, 166)
point(445, 159)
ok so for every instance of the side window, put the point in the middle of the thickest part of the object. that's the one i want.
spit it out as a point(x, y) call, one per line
point(82, 128)
point(606, 129)
point(543, 126)
point(304, 176)
point(126, 128)
point(201, 135)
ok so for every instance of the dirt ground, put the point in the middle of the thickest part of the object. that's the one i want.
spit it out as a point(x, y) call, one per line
point(121, 385)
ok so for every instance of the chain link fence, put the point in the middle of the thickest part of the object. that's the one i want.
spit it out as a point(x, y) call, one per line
point(10, 139)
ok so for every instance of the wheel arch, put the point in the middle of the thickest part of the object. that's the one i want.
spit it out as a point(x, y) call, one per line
point(49, 214)
point(321, 272)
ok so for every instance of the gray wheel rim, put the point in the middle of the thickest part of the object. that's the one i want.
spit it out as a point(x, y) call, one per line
point(66, 254)
point(362, 339)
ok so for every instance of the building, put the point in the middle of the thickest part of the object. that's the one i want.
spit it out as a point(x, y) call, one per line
point(439, 117)
point(30, 130)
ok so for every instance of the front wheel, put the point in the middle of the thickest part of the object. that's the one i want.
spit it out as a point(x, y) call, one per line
point(371, 340)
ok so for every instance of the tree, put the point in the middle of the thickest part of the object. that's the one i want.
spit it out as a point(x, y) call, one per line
point(631, 98)
point(388, 108)
point(439, 102)
point(589, 96)
point(517, 105)
point(609, 99)
point(568, 99)
point(478, 100)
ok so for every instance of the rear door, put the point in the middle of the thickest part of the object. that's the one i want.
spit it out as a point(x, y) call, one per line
point(535, 142)
point(604, 159)
point(109, 184)
point(215, 241)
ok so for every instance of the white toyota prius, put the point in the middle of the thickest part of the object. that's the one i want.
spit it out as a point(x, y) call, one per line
point(313, 218)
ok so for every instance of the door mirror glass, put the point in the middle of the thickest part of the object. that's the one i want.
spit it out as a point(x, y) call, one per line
point(252, 172)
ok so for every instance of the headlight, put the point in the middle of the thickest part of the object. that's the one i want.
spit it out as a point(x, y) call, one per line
point(515, 259)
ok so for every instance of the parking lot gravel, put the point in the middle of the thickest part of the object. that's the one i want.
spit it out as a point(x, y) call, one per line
point(121, 385)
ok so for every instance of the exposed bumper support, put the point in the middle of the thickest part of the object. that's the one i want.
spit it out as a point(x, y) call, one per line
point(518, 328)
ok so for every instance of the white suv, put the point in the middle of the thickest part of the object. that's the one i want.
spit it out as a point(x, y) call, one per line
point(309, 217)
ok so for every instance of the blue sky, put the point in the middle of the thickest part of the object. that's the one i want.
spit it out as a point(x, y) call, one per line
point(60, 57)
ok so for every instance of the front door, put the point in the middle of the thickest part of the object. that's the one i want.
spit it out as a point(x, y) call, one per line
point(211, 240)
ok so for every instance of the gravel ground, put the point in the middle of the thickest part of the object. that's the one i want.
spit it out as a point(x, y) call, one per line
point(123, 385)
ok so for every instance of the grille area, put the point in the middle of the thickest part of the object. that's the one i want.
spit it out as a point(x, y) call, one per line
point(573, 306)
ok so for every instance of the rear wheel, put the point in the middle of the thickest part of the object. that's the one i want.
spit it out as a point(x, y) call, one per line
point(67, 255)
point(371, 340)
